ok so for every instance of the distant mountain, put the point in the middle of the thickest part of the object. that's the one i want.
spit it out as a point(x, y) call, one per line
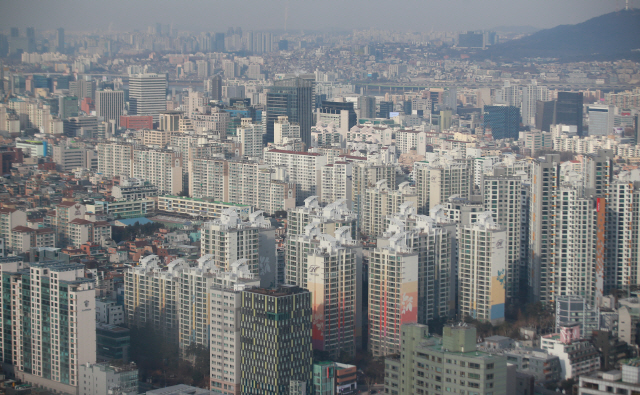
point(516, 29)
point(606, 37)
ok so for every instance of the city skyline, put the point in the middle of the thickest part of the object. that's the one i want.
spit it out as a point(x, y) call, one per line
point(440, 16)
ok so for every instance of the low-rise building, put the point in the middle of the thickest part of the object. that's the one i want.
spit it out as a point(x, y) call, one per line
point(200, 207)
point(624, 381)
point(108, 379)
point(577, 356)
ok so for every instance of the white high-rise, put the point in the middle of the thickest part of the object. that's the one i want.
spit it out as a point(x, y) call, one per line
point(148, 94)
point(530, 96)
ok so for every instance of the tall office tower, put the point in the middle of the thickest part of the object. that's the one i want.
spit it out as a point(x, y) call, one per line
point(170, 121)
point(569, 109)
point(282, 129)
point(545, 115)
point(423, 353)
point(304, 170)
point(393, 294)
point(439, 180)
point(380, 202)
point(225, 295)
point(213, 86)
point(600, 120)
point(366, 107)
point(502, 197)
point(331, 269)
point(147, 94)
point(60, 40)
point(196, 314)
point(48, 322)
point(330, 217)
point(67, 107)
point(250, 136)
point(83, 87)
point(115, 159)
point(433, 238)
point(482, 263)
point(229, 239)
point(292, 97)
point(502, 121)
point(151, 297)
point(386, 107)
point(110, 105)
point(336, 107)
point(15, 32)
point(162, 168)
point(531, 94)
point(276, 346)
point(365, 175)
point(219, 42)
point(84, 127)
point(31, 39)
point(336, 182)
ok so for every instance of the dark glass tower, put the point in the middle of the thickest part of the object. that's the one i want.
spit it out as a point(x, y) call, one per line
point(385, 108)
point(293, 97)
point(569, 109)
point(504, 121)
point(545, 115)
point(275, 339)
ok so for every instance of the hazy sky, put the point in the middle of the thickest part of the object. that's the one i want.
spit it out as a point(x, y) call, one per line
point(216, 15)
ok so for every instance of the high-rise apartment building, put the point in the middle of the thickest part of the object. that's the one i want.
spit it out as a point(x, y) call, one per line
point(229, 239)
point(49, 323)
point(569, 109)
point(162, 168)
point(250, 136)
point(241, 182)
point(433, 238)
point(275, 341)
point(115, 159)
point(481, 270)
point(336, 182)
point(331, 269)
point(393, 294)
point(531, 94)
point(110, 105)
point(380, 202)
point(304, 169)
point(437, 181)
point(225, 296)
point(503, 198)
point(330, 217)
point(282, 129)
point(294, 98)
point(148, 94)
point(365, 174)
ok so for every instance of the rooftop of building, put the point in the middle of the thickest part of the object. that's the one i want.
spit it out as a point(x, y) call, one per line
point(282, 290)
point(205, 200)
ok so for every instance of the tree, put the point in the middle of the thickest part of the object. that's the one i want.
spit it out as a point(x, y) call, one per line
point(374, 372)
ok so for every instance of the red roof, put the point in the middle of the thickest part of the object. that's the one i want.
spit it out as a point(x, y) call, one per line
point(80, 221)
point(67, 204)
point(22, 229)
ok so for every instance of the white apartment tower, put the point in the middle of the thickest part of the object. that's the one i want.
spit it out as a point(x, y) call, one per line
point(336, 182)
point(441, 179)
point(148, 94)
point(250, 136)
point(330, 217)
point(228, 239)
point(481, 270)
point(115, 159)
point(331, 269)
point(433, 238)
point(283, 129)
point(380, 202)
point(502, 197)
point(304, 168)
point(50, 318)
point(393, 294)
point(162, 168)
point(530, 96)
